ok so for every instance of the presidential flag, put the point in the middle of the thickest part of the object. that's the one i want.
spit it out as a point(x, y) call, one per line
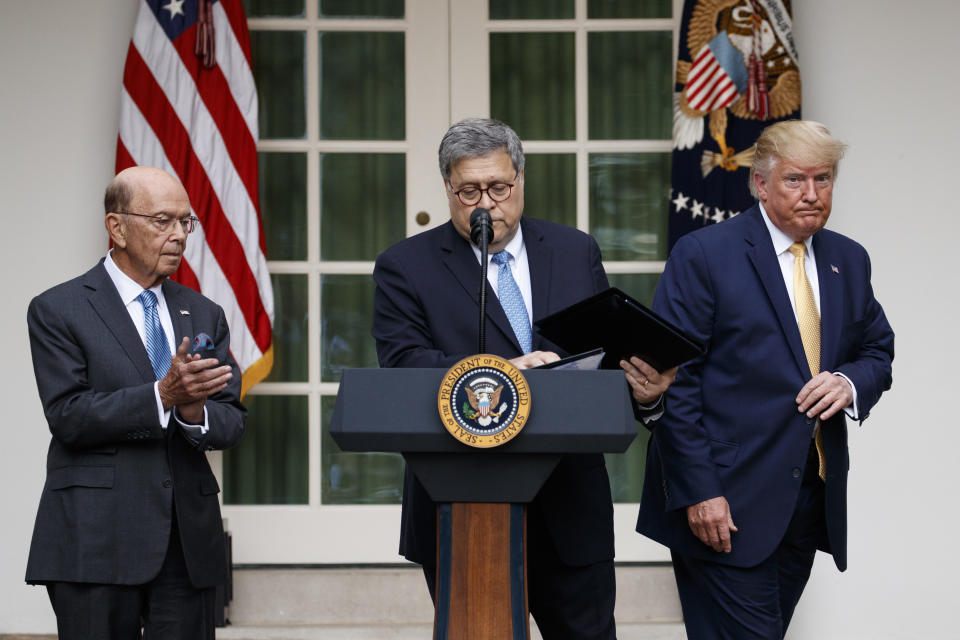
point(189, 106)
point(737, 72)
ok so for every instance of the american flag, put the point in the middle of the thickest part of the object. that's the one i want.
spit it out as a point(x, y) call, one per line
point(716, 77)
point(189, 106)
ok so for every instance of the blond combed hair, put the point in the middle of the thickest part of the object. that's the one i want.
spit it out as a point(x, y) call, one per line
point(804, 143)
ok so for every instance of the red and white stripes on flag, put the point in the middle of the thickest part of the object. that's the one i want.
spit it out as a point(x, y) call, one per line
point(709, 86)
point(200, 124)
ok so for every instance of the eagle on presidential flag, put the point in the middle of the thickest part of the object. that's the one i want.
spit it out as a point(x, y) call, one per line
point(737, 71)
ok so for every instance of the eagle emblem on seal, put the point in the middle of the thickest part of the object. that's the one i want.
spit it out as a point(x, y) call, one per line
point(482, 397)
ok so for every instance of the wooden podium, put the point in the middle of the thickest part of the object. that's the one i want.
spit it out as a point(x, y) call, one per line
point(481, 493)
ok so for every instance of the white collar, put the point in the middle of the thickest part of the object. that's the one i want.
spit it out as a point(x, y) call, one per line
point(126, 286)
point(781, 241)
point(515, 247)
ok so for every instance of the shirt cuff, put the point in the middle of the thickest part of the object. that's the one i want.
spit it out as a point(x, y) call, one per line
point(850, 409)
point(199, 429)
point(650, 412)
point(193, 432)
point(163, 414)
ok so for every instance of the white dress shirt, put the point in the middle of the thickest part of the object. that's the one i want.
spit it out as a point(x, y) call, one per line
point(129, 292)
point(781, 246)
point(519, 267)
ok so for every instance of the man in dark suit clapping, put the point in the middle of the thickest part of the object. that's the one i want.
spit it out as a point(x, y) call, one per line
point(128, 533)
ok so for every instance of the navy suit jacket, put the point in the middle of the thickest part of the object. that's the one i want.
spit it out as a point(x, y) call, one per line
point(732, 427)
point(426, 310)
point(114, 475)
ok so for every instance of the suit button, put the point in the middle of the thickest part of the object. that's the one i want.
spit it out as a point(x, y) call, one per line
point(810, 420)
point(167, 484)
point(796, 472)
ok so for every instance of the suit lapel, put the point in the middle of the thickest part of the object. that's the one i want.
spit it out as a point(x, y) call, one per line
point(764, 260)
point(539, 259)
point(106, 301)
point(179, 313)
point(459, 258)
point(831, 301)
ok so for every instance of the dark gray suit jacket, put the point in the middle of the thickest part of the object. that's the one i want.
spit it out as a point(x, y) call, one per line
point(114, 475)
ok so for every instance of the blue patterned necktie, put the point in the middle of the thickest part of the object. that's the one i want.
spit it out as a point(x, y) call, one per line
point(512, 301)
point(157, 347)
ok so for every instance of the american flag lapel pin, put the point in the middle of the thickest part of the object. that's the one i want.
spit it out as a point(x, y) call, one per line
point(834, 268)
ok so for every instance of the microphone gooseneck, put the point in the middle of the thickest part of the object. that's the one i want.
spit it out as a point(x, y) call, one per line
point(481, 227)
point(481, 232)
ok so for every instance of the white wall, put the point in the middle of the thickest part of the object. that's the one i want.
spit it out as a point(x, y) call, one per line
point(60, 69)
point(878, 73)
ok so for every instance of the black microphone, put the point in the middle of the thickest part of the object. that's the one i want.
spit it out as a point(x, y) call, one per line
point(481, 233)
point(481, 226)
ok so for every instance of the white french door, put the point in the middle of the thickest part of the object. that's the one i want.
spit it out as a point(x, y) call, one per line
point(344, 174)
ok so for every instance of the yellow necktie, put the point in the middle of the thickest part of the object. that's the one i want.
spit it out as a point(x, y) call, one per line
point(808, 320)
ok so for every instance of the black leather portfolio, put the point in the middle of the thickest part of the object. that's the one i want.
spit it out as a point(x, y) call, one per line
point(613, 321)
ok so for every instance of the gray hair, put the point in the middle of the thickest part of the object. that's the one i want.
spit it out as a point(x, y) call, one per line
point(477, 137)
point(118, 196)
point(801, 142)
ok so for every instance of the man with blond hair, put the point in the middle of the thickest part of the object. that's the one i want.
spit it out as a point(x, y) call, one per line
point(747, 469)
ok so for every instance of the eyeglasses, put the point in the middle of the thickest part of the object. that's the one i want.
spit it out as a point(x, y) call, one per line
point(498, 192)
point(164, 224)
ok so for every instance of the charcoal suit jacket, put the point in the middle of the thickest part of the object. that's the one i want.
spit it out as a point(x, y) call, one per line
point(115, 476)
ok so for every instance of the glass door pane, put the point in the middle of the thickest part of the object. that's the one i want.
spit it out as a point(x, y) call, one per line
point(531, 9)
point(283, 204)
point(550, 187)
point(361, 85)
point(273, 8)
point(532, 84)
point(599, 9)
point(361, 8)
point(362, 204)
point(269, 465)
point(628, 79)
point(278, 67)
point(628, 192)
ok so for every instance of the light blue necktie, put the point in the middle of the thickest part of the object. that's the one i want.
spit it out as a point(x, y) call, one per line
point(512, 301)
point(157, 347)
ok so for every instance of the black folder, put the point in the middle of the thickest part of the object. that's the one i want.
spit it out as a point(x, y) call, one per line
point(622, 327)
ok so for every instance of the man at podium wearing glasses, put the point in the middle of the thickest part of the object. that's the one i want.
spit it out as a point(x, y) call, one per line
point(425, 315)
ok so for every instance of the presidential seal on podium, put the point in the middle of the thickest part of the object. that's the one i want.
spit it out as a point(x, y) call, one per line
point(484, 401)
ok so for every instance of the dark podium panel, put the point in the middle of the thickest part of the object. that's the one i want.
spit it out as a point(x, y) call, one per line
point(481, 582)
point(396, 410)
